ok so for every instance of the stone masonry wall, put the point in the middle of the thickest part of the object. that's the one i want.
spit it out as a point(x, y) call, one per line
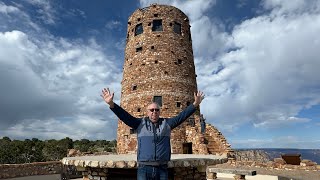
point(30, 169)
point(160, 63)
point(179, 173)
point(157, 63)
point(211, 142)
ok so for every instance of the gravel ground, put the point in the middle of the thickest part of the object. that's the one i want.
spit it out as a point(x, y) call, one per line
point(293, 174)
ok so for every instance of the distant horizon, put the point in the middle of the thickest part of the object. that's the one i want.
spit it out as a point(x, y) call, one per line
point(116, 139)
point(280, 148)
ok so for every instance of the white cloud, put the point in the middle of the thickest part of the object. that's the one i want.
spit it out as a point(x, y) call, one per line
point(208, 39)
point(291, 7)
point(112, 24)
point(194, 9)
point(270, 77)
point(48, 79)
point(7, 9)
point(15, 18)
point(264, 72)
point(278, 120)
point(79, 127)
point(46, 12)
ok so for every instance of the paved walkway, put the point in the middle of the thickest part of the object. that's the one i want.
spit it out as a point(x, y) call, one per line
point(42, 177)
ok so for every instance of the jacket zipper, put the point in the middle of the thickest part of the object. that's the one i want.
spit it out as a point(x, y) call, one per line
point(154, 140)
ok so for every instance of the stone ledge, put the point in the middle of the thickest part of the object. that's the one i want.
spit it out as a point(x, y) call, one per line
point(232, 171)
point(129, 161)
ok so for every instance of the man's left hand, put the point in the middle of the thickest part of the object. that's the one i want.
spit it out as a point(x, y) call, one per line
point(198, 97)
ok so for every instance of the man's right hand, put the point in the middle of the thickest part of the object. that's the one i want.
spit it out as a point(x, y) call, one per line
point(107, 97)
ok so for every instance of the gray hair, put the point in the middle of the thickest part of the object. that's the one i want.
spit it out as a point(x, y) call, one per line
point(158, 106)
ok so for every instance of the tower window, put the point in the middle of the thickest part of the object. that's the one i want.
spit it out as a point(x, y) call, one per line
point(158, 100)
point(179, 61)
point(138, 49)
point(156, 61)
point(138, 29)
point(191, 121)
point(157, 25)
point(134, 87)
point(156, 15)
point(177, 28)
point(152, 47)
point(178, 104)
point(166, 72)
point(132, 131)
point(139, 110)
point(188, 103)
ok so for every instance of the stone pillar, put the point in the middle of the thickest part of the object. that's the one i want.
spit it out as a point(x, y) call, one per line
point(239, 177)
point(85, 177)
point(211, 175)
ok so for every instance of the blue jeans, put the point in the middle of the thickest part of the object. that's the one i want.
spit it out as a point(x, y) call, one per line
point(152, 172)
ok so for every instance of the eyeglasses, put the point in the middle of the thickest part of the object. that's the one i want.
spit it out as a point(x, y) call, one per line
point(152, 110)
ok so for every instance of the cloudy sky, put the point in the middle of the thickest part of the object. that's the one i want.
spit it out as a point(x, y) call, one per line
point(257, 62)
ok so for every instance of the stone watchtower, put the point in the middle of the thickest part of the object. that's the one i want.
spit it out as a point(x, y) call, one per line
point(159, 67)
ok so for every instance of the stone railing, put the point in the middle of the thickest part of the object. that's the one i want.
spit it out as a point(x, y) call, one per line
point(30, 169)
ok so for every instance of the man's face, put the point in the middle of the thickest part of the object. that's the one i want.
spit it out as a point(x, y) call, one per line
point(153, 112)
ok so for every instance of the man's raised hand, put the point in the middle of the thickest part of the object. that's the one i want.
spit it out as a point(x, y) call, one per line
point(198, 97)
point(107, 96)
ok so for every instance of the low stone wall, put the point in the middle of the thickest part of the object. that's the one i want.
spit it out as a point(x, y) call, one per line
point(30, 169)
point(124, 167)
point(183, 173)
point(176, 173)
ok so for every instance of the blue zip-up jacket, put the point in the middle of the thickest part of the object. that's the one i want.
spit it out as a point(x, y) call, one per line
point(153, 139)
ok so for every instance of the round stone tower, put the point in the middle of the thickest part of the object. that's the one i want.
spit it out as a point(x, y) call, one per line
point(158, 67)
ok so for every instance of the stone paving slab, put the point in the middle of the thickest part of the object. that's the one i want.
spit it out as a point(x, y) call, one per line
point(222, 176)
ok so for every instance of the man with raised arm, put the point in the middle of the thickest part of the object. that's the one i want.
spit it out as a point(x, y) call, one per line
point(153, 132)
